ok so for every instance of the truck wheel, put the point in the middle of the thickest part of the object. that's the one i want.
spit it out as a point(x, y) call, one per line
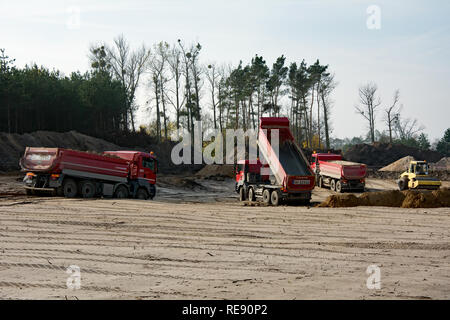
point(338, 186)
point(275, 198)
point(251, 195)
point(87, 189)
point(121, 192)
point(142, 194)
point(266, 196)
point(241, 194)
point(320, 182)
point(333, 185)
point(70, 188)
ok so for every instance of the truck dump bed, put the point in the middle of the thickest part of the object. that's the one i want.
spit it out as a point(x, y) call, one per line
point(343, 169)
point(292, 161)
point(57, 160)
point(286, 160)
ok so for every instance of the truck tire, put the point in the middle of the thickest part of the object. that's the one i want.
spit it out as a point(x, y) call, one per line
point(251, 195)
point(275, 198)
point(121, 192)
point(266, 196)
point(241, 194)
point(338, 186)
point(70, 188)
point(87, 189)
point(333, 185)
point(142, 194)
point(320, 182)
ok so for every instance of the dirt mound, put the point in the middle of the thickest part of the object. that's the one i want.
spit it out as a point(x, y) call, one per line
point(342, 200)
point(12, 146)
point(441, 165)
point(417, 199)
point(442, 195)
point(399, 165)
point(394, 198)
point(215, 170)
point(382, 154)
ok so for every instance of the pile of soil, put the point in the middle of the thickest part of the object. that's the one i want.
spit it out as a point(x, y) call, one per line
point(391, 198)
point(399, 165)
point(394, 198)
point(216, 170)
point(339, 201)
point(12, 146)
point(382, 154)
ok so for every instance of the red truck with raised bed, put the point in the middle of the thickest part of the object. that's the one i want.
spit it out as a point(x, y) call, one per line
point(338, 174)
point(287, 175)
point(70, 173)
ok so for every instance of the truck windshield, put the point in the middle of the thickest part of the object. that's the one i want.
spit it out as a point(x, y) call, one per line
point(148, 163)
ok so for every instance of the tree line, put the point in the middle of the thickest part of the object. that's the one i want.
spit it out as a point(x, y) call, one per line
point(36, 98)
point(179, 89)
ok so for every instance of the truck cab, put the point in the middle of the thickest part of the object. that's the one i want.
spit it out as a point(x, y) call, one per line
point(143, 169)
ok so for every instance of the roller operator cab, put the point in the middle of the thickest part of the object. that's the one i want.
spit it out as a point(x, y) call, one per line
point(417, 177)
point(70, 173)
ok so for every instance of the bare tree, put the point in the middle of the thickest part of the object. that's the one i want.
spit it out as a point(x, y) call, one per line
point(158, 81)
point(128, 67)
point(408, 128)
point(328, 84)
point(175, 64)
point(392, 114)
point(369, 103)
point(212, 74)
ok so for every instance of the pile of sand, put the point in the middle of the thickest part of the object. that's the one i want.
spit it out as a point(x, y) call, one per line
point(394, 198)
point(216, 170)
point(399, 165)
point(441, 165)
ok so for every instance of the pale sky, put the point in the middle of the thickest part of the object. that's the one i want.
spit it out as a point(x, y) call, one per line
point(410, 51)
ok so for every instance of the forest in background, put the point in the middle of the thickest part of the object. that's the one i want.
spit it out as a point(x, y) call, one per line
point(180, 89)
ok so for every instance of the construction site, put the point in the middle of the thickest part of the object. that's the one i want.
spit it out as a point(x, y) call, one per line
point(205, 151)
point(196, 240)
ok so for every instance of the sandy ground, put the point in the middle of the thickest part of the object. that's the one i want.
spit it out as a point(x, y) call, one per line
point(199, 242)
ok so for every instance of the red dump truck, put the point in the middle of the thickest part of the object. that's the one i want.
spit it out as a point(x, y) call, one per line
point(338, 174)
point(284, 174)
point(70, 173)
